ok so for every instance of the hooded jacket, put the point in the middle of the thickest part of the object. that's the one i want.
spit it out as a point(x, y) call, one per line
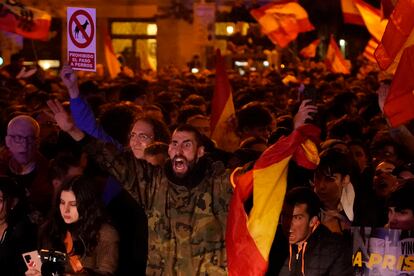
point(324, 253)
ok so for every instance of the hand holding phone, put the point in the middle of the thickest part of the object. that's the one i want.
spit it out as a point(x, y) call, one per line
point(32, 260)
point(303, 116)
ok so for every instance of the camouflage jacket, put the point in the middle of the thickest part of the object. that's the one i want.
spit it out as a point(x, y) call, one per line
point(186, 226)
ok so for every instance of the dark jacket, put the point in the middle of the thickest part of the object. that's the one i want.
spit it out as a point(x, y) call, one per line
point(325, 253)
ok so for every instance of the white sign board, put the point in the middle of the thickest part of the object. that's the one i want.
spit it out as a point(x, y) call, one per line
point(81, 38)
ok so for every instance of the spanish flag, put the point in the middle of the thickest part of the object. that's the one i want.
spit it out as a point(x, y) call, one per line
point(250, 236)
point(398, 35)
point(223, 118)
point(398, 106)
point(350, 13)
point(25, 21)
point(360, 13)
point(372, 19)
point(282, 22)
point(334, 60)
point(112, 62)
point(310, 50)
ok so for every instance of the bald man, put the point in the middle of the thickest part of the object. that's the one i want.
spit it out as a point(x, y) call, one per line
point(25, 164)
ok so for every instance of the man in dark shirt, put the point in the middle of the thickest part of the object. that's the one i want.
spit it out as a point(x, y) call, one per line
point(314, 250)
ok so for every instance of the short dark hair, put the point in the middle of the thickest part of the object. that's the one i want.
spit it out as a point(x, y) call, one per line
point(304, 195)
point(117, 120)
point(333, 161)
point(190, 128)
point(402, 197)
point(132, 91)
point(60, 165)
point(252, 115)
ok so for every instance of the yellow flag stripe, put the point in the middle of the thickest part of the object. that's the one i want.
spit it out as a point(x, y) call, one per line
point(221, 134)
point(268, 195)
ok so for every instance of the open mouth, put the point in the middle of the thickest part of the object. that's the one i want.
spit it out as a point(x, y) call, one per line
point(179, 163)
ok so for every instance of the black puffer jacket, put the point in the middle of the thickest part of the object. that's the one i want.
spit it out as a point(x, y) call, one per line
point(325, 253)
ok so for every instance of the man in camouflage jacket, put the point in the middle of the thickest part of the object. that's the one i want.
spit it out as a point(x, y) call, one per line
point(186, 203)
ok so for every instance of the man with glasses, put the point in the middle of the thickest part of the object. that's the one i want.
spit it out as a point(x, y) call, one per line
point(26, 165)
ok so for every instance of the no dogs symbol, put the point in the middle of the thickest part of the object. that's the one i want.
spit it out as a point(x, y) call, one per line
point(81, 28)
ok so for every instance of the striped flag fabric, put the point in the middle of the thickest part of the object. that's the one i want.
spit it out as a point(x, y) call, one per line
point(351, 13)
point(334, 60)
point(249, 236)
point(370, 50)
point(112, 62)
point(372, 19)
point(223, 116)
point(359, 12)
point(282, 22)
point(398, 35)
point(398, 106)
point(26, 21)
point(310, 50)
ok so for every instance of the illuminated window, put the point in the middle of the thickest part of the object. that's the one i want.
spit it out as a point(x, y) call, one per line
point(146, 50)
point(135, 42)
point(121, 44)
point(133, 28)
point(229, 28)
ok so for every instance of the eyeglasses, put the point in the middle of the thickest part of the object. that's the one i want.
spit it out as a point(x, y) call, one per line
point(18, 139)
point(142, 137)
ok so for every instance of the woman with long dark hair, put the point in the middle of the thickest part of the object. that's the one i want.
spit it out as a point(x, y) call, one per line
point(78, 228)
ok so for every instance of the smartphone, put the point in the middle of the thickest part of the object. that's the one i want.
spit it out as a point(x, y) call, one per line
point(310, 93)
point(32, 260)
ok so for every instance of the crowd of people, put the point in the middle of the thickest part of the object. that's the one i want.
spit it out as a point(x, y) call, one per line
point(120, 176)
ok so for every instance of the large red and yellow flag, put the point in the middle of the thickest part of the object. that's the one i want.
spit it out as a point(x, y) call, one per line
point(351, 13)
point(249, 236)
point(282, 22)
point(25, 21)
point(223, 116)
point(398, 35)
point(334, 60)
point(310, 50)
point(112, 62)
point(399, 104)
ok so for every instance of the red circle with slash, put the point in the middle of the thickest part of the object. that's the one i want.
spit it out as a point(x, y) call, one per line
point(74, 20)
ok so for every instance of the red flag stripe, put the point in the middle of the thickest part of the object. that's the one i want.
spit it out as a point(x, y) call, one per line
point(398, 106)
point(353, 19)
point(398, 30)
point(221, 92)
